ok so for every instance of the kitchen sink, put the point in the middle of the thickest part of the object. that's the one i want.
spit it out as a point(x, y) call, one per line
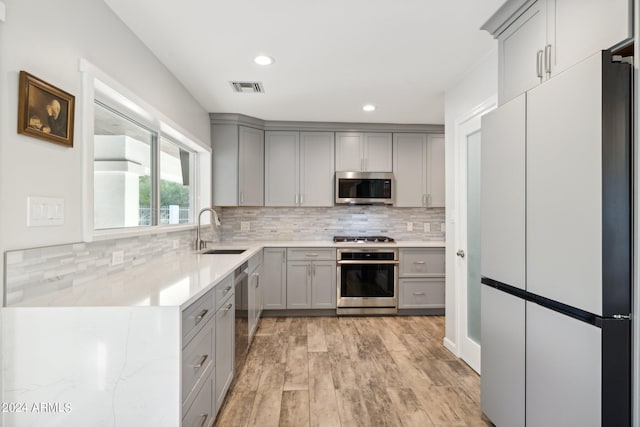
point(223, 251)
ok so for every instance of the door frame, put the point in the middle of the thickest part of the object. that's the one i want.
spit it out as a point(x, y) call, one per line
point(470, 123)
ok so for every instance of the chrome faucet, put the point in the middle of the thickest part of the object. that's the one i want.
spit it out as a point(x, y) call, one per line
point(199, 242)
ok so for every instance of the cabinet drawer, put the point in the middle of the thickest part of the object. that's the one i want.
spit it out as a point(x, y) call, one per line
point(196, 315)
point(202, 412)
point(421, 293)
point(223, 290)
point(311, 254)
point(421, 262)
point(197, 359)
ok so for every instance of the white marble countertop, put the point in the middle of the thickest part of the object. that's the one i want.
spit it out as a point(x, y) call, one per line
point(175, 280)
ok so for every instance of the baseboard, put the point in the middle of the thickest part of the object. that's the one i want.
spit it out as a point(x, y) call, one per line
point(450, 345)
point(421, 312)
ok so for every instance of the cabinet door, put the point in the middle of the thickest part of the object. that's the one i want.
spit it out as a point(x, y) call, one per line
point(409, 169)
point(224, 349)
point(298, 284)
point(349, 147)
point(323, 284)
point(252, 307)
point(435, 172)
point(316, 168)
point(378, 152)
point(502, 388)
point(251, 167)
point(274, 279)
point(579, 29)
point(281, 168)
point(503, 193)
point(518, 48)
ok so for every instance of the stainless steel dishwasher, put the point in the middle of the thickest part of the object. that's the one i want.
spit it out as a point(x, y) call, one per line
point(241, 282)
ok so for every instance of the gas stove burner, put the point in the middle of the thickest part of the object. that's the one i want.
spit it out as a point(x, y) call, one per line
point(363, 239)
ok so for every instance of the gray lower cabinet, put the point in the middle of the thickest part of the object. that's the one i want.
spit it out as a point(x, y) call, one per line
point(311, 278)
point(422, 278)
point(311, 284)
point(503, 358)
point(224, 348)
point(254, 299)
point(274, 279)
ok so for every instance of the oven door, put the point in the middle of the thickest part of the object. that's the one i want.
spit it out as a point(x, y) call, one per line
point(367, 285)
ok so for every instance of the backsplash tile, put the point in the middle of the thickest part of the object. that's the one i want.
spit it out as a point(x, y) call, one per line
point(34, 272)
point(270, 223)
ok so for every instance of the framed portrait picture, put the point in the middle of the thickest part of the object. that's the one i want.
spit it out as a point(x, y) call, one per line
point(44, 111)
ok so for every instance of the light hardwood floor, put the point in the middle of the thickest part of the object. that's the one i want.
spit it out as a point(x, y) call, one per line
point(353, 371)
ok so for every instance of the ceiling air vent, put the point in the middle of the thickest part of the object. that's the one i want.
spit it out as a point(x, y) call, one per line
point(247, 87)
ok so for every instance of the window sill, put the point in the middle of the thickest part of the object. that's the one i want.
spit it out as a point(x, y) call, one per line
point(120, 233)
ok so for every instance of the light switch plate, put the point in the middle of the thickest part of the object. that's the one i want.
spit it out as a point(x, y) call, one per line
point(117, 257)
point(409, 226)
point(245, 225)
point(427, 227)
point(44, 211)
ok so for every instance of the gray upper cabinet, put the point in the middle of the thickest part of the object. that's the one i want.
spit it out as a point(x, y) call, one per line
point(238, 166)
point(503, 193)
point(552, 35)
point(299, 168)
point(364, 152)
point(418, 170)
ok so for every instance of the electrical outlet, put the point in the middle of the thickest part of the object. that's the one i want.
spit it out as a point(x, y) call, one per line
point(117, 257)
point(176, 243)
point(442, 227)
point(245, 226)
point(409, 226)
point(427, 227)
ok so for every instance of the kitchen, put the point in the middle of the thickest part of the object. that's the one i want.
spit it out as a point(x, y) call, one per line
point(91, 49)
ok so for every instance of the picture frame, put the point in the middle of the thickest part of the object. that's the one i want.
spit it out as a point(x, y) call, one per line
point(45, 111)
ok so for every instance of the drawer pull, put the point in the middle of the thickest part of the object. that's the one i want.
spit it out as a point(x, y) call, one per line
point(418, 293)
point(203, 419)
point(227, 289)
point(202, 360)
point(310, 255)
point(203, 313)
point(418, 262)
point(228, 307)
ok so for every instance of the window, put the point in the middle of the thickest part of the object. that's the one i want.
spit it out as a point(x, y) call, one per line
point(142, 178)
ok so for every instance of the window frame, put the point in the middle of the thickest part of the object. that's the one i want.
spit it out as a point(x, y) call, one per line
point(97, 86)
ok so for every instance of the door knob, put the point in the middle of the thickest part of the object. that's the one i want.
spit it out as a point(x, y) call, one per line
point(460, 253)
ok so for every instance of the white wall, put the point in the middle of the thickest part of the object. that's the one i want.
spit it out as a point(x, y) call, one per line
point(48, 39)
point(479, 85)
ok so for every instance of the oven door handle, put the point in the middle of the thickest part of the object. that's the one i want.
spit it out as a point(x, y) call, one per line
point(369, 262)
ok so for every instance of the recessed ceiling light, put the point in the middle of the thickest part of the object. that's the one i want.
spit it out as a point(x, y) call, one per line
point(369, 107)
point(263, 60)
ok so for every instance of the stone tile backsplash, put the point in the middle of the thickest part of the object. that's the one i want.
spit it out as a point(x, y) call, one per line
point(33, 272)
point(267, 223)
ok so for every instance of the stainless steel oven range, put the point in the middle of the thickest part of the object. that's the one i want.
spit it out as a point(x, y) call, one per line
point(367, 277)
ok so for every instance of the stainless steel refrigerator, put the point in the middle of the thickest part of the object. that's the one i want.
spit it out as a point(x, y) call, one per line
point(557, 251)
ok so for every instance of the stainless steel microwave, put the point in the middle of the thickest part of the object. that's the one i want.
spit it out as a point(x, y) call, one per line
point(364, 188)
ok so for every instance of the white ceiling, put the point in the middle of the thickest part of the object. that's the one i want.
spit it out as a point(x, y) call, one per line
point(332, 56)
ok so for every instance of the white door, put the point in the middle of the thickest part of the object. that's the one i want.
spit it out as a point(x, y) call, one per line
point(468, 224)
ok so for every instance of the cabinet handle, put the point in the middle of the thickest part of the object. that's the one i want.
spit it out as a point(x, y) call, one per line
point(228, 307)
point(310, 255)
point(204, 418)
point(203, 313)
point(539, 64)
point(283, 256)
point(424, 200)
point(257, 281)
point(241, 197)
point(418, 262)
point(227, 289)
point(313, 267)
point(301, 198)
point(428, 199)
point(547, 59)
point(202, 360)
point(418, 293)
